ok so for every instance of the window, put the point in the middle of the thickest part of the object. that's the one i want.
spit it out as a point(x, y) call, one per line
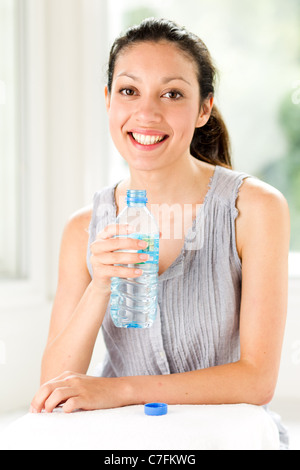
point(256, 50)
point(11, 169)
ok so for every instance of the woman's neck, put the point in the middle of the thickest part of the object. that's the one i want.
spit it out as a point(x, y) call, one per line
point(187, 186)
point(183, 184)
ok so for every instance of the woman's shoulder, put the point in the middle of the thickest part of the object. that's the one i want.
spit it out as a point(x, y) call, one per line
point(256, 195)
point(78, 224)
point(74, 245)
point(263, 214)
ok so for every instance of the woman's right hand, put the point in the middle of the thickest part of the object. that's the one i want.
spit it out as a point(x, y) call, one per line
point(110, 250)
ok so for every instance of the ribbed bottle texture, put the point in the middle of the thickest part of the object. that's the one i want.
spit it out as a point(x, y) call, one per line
point(133, 302)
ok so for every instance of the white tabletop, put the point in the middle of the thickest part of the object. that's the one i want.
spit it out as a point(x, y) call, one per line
point(185, 427)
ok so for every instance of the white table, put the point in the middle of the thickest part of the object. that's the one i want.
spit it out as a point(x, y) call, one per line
point(185, 427)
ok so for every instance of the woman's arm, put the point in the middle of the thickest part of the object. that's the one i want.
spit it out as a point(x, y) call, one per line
point(75, 315)
point(80, 303)
point(263, 238)
point(262, 230)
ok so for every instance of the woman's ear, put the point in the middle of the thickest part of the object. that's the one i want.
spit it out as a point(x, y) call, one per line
point(205, 111)
point(107, 98)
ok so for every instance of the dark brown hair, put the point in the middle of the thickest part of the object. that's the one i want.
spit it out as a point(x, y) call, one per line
point(211, 142)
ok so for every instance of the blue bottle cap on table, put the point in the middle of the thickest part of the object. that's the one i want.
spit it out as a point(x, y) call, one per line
point(156, 409)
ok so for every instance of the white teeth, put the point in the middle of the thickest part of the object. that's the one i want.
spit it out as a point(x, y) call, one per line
point(147, 139)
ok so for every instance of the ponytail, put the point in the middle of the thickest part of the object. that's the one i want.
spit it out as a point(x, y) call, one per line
point(211, 142)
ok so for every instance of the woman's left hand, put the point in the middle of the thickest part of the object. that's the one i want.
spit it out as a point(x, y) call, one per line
point(78, 391)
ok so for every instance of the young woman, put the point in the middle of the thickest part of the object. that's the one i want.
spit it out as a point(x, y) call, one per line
point(223, 302)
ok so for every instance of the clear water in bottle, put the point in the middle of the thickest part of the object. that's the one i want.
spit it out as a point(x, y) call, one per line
point(133, 302)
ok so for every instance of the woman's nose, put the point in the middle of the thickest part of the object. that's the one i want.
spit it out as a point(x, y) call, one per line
point(148, 111)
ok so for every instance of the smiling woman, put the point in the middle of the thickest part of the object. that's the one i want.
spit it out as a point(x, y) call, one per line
point(219, 332)
point(158, 114)
point(197, 75)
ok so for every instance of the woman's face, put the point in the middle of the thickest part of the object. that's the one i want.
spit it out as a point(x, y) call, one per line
point(154, 105)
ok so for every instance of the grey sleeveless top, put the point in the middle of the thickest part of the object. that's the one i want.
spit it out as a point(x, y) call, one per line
point(197, 325)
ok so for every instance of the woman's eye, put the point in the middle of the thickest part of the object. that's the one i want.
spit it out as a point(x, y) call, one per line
point(127, 92)
point(173, 95)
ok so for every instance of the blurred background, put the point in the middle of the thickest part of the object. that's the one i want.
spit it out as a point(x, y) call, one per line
point(55, 149)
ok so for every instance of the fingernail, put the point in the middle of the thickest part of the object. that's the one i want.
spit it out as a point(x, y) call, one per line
point(143, 244)
point(32, 410)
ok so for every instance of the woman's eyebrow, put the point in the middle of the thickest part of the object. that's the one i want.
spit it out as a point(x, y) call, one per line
point(164, 80)
point(171, 79)
point(129, 75)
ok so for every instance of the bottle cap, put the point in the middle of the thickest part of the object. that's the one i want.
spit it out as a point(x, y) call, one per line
point(156, 409)
point(136, 196)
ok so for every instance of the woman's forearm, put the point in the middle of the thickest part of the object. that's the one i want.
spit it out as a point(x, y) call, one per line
point(234, 383)
point(238, 382)
point(72, 349)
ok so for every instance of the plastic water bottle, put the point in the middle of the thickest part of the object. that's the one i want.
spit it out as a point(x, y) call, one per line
point(133, 302)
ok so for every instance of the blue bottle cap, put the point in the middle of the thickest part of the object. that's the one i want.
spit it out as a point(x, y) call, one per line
point(135, 196)
point(156, 409)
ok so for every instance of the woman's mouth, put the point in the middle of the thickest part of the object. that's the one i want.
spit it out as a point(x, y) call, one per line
point(146, 140)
